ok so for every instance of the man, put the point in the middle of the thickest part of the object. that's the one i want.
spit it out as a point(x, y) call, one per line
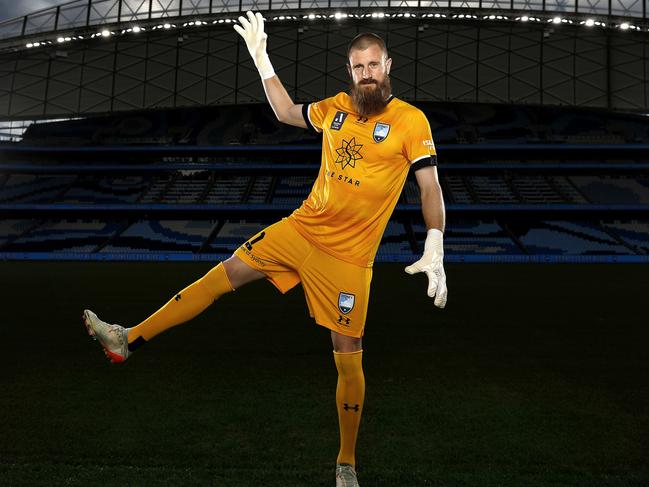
point(370, 141)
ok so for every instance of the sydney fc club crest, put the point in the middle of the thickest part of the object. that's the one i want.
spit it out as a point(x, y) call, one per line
point(338, 120)
point(381, 131)
point(346, 302)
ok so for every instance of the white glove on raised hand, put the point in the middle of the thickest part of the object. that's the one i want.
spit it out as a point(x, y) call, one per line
point(432, 264)
point(255, 37)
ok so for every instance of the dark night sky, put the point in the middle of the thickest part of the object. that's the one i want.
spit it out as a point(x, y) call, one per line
point(15, 8)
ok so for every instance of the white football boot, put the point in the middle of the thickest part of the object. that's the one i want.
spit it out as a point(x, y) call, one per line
point(346, 476)
point(113, 338)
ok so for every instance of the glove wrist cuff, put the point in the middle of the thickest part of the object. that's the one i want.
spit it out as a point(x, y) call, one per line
point(434, 242)
point(265, 67)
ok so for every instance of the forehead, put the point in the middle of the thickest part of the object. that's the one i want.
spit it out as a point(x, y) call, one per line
point(362, 56)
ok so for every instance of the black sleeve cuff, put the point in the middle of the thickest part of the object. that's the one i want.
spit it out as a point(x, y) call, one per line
point(425, 162)
point(305, 114)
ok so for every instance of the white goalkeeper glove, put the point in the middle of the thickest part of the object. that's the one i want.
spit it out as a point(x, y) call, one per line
point(432, 264)
point(255, 37)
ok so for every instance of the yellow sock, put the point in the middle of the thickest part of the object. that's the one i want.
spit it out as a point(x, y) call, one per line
point(350, 394)
point(188, 303)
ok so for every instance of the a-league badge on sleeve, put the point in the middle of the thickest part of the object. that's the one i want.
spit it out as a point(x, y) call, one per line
point(346, 302)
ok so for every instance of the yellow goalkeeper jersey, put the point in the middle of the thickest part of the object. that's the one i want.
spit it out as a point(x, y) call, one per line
point(365, 162)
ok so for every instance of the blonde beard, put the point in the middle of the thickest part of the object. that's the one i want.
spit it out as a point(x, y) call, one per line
point(370, 101)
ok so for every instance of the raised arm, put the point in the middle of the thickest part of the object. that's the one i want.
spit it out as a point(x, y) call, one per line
point(252, 31)
point(285, 110)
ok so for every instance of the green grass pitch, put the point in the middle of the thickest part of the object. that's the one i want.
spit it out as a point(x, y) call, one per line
point(534, 375)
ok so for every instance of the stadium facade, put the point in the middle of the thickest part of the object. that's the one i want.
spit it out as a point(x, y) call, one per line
point(99, 56)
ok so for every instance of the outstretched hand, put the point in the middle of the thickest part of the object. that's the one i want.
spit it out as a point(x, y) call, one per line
point(252, 31)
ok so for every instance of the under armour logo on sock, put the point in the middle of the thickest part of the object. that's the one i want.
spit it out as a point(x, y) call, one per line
point(354, 408)
point(178, 297)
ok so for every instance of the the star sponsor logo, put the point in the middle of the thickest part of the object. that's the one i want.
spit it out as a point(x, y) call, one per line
point(343, 178)
point(348, 153)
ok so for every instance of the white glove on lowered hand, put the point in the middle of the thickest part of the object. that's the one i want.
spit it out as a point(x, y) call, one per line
point(432, 264)
point(255, 37)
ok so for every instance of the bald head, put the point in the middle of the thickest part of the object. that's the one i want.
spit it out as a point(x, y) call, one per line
point(363, 41)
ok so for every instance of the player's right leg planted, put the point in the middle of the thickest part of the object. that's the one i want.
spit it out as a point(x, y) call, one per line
point(119, 342)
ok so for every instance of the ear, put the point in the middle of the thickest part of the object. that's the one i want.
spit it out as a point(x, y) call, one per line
point(349, 70)
point(388, 64)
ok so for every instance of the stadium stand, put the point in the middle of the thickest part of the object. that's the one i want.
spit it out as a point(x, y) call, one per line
point(162, 235)
point(613, 189)
point(90, 189)
point(28, 188)
point(568, 237)
point(64, 236)
point(455, 123)
point(233, 233)
point(229, 190)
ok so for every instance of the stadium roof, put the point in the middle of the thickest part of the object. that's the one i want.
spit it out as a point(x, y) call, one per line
point(84, 16)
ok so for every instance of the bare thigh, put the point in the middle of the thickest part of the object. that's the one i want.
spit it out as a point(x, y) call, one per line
point(240, 273)
point(344, 343)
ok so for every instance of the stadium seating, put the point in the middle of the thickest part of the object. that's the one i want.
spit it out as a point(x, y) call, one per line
point(472, 237)
point(106, 190)
point(162, 235)
point(634, 233)
point(28, 188)
point(458, 123)
point(568, 237)
point(235, 233)
point(402, 239)
point(613, 189)
point(252, 181)
point(64, 236)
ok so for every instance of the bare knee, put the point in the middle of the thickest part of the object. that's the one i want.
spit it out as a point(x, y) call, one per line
point(240, 273)
point(345, 344)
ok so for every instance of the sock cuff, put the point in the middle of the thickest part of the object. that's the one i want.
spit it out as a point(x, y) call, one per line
point(348, 353)
point(349, 364)
point(216, 281)
point(225, 275)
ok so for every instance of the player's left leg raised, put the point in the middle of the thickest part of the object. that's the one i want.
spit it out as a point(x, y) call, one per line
point(119, 342)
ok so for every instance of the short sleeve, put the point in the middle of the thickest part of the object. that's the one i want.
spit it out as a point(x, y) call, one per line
point(315, 113)
point(419, 141)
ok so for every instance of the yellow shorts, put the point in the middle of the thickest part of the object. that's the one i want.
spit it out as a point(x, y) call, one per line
point(337, 292)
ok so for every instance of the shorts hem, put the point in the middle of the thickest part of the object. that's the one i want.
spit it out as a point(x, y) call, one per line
point(251, 263)
point(338, 330)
